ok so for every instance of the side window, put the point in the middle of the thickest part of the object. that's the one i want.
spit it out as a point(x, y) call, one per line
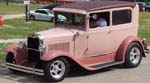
point(101, 19)
point(41, 12)
point(121, 17)
point(38, 11)
point(44, 12)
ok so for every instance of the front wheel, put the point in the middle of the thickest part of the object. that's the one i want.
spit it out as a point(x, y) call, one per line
point(32, 18)
point(56, 70)
point(10, 59)
point(133, 55)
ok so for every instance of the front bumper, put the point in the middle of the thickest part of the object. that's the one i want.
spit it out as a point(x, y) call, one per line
point(30, 70)
point(147, 51)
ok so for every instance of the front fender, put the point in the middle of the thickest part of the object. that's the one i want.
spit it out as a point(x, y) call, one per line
point(54, 54)
point(11, 48)
point(121, 52)
point(50, 55)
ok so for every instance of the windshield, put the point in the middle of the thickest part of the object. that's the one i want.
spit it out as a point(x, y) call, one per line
point(70, 19)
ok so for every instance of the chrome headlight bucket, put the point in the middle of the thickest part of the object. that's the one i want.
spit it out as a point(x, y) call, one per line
point(42, 48)
point(22, 44)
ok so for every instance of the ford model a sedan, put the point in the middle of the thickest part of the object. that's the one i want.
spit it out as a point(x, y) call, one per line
point(94, 35)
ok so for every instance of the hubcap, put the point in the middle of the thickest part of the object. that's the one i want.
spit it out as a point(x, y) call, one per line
point(135, 55)
point(57, 69)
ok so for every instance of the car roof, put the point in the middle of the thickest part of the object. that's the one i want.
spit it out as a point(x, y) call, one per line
point(97, 5)
point(51, 5)
point(44, 9)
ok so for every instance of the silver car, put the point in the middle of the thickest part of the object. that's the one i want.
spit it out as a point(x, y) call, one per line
point(45, 15)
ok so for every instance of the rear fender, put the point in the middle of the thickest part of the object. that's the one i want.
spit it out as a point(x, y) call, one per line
point(51, 55)
point(121, 52)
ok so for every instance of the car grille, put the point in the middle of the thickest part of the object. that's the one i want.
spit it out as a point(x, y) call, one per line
point(33, 46)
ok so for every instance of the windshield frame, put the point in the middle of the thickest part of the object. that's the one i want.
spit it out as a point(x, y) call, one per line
point(83, 26)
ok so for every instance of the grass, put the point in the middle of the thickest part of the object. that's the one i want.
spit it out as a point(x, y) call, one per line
point(18, 28)
point(2, 54)
point(144, 26)
point(14, 8)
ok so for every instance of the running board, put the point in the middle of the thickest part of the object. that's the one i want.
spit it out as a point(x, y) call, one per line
point(100, 66)
point(25, 69)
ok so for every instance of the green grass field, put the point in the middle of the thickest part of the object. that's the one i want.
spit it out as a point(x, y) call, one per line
point(18, 28)
point(2, 54)
point(14, 8)
point(144, 26)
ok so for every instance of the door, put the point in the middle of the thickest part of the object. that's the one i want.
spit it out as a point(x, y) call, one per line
point(99, 34)
point(98, 41)
point(42, 15)
point(80, 43)
point(37, 14)
point(122, 27)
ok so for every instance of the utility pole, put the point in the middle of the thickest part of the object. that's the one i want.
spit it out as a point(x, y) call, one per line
point(27, 9)
point(7, 2)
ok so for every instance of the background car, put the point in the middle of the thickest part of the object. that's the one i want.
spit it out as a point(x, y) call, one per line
point(45, 15)
point(51, 6)
point(141, 6)
point(147, 3)
point(147, 6)
point(144, 6)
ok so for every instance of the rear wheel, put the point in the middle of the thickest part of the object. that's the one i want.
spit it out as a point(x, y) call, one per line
point(56, 70)
point(133, 55)
point(53, 19)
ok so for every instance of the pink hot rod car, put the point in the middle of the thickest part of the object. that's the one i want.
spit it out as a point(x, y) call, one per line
point(94, 35)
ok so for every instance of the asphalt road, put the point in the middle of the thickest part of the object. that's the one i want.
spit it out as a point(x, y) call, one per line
point(115, 74)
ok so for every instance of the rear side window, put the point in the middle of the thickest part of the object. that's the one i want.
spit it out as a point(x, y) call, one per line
point(41, 11)
point(121, 17)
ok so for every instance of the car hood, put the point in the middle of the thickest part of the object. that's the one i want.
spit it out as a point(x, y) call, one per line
point(56, 33)
point(32, 11)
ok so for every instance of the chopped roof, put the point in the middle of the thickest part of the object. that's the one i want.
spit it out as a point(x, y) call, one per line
point(94, 5)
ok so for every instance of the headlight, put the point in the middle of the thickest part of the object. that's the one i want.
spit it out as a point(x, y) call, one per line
point(22, 44)
point(42, 48)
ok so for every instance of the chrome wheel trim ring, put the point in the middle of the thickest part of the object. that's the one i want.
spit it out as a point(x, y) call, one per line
point(57, 69)
point(134, 55)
